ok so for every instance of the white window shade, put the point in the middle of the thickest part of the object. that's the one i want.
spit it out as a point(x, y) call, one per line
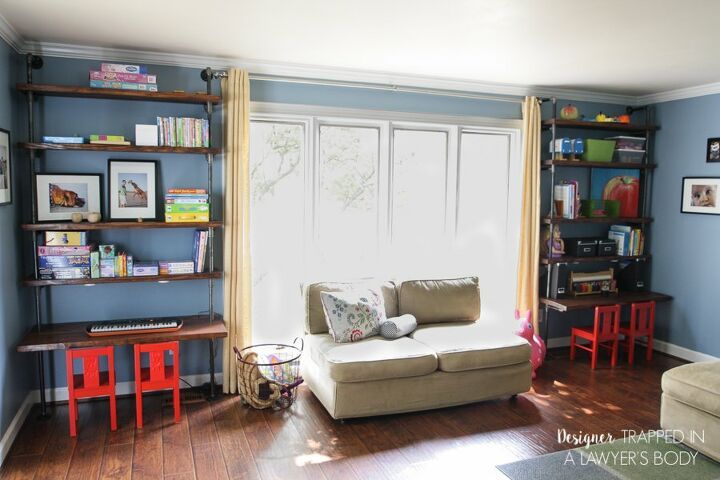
point(341, 198)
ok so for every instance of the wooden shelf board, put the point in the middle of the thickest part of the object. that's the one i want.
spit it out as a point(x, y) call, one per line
point(31, 282)
point(583, 164)
point(612, 126)
point(109, 93)
point(565, 304)
point(85, 226)
point(614, 258)
point(61, 336)
point(95, 147)
point(549, 220)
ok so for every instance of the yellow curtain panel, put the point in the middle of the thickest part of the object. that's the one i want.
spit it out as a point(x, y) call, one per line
point(529, 254)
point(236, 252)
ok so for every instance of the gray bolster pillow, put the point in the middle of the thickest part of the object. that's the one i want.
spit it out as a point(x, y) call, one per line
point(396, 327)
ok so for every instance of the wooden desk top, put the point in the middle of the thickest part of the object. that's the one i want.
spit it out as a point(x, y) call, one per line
point(591, 301)
point(61, 336)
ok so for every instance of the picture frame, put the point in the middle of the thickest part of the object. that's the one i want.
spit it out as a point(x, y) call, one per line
point(713, 150)
point(132, 189)
point(5, 168)
point(59, 195)
point(700, 195)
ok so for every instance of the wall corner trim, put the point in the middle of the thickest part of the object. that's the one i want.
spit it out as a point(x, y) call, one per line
point(10, 35)
point(658, 345)
point(17, 422)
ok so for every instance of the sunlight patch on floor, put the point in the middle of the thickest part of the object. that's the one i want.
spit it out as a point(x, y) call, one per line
point(311, 459)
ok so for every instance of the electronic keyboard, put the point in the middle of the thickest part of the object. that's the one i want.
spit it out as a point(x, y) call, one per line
point(123, 327)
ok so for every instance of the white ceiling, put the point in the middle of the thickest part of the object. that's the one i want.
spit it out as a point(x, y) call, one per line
point(634, 47)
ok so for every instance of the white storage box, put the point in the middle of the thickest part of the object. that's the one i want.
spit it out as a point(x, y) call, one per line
point(628, 143)
point(629, 156)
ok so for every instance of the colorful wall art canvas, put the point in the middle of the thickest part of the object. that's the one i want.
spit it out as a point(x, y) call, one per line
point(621, 184)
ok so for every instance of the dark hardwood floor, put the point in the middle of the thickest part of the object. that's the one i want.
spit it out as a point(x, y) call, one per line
point(224, 439)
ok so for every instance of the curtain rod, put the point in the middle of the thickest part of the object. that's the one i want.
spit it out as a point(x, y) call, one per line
point(390, 88)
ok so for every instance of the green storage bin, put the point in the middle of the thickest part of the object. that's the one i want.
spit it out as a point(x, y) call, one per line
point(600, 208)
point(592, 208)
point(598, 150)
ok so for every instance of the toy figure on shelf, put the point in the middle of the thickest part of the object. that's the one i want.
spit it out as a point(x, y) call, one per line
point(554, 247)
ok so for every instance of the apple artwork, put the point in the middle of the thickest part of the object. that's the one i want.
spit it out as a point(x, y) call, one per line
point(569, 112)
point(626, 190)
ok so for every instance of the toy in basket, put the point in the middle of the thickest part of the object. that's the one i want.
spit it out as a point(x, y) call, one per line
point(269, 374)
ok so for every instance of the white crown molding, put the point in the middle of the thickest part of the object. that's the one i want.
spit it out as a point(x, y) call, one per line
point(65, 50)
point(680, 94)
point(314, 72)
point(10, 35)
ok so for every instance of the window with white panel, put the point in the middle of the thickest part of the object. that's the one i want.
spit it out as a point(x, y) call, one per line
point(346, 198)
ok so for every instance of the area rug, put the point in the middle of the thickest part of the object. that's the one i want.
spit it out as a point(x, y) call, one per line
point(631, 458)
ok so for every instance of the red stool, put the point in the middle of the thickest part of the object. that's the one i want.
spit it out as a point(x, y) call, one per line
point(91, 382)
point(157, 376)
point(605, 331)
point(642, 324)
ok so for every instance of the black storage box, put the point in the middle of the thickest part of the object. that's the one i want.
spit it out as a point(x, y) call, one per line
point(559, 273)
point(581, 247)
point(632, 276)
point(606, 247)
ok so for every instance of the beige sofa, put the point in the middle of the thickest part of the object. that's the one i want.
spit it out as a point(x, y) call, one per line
point(451, 358)
point(691, 405)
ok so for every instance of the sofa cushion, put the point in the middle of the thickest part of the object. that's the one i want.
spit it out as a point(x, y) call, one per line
point(470, 346)
point(433, 301)
point(353, 315)
point(314, 313)
point(695, 384)
point(373, 358)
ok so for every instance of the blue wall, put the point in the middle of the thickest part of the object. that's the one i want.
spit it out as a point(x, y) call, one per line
point(684, 246)
point(16, 370)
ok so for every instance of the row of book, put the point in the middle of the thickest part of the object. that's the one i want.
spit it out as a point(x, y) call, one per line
point(123, 77)
point(184, 205)
point(630, 241)
point(95, 138)
point(183, 132)
point(565, 196)
point(200, 243)
point(68, 256)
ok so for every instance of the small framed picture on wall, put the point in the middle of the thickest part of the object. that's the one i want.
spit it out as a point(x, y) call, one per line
point(60, 195)
point(132, 186)
point(713, 150)
point(700, 195)
point(5, 168)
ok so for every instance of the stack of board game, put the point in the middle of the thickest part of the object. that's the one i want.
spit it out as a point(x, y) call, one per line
point(184, 205)
point(65, 256)
point(109, 140)
point(183, 132)
point(123, 77)
point(183, 267)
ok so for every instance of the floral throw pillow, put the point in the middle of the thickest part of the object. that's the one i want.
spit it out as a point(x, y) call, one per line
point(353, 315)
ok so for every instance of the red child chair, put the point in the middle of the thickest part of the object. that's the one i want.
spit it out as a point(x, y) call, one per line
point(91, 382)
point(157, 376)
point(642, 324)
point(604, 331)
